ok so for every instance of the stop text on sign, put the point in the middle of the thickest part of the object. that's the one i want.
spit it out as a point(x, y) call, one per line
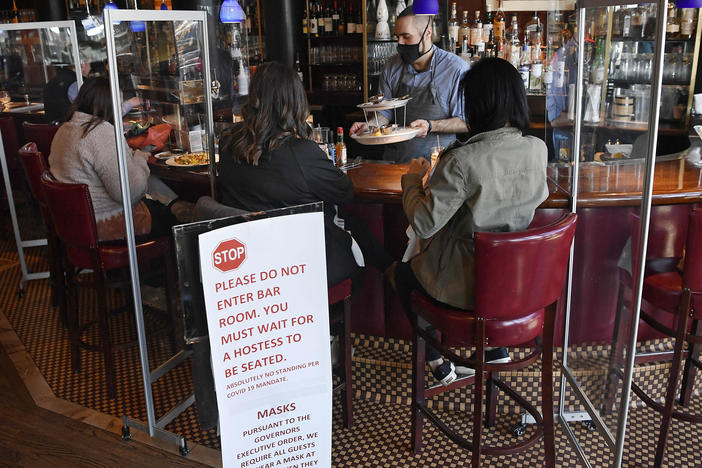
point(229, 255)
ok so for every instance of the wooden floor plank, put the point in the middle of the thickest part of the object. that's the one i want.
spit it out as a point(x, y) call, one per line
point(34, 437)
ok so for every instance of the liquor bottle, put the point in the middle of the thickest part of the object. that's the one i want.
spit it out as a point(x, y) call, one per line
point(626, 22)
point(476, 31)
point(487, 24)
point(672, 27)
point(305, 31)
point(534, 32)
point(298, 69)
point(513, 46)
point(465, 27)
point(359, 22)
point(340, 147)
point(350, 21)
point(598, 66)
point(314, 31)
point(617, 23)
point(548, 69)
point(490, 46)
point(248, 20)
point(371, 8)
point(525, 54)
point(638, 21)
point(687, 23)
point(453, 27)
point(499, 24)
point(335, 20)
point(329, 29)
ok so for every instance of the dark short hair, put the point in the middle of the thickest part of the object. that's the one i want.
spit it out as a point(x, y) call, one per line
point(277, 107)
point(494, 96)
point(95, 99)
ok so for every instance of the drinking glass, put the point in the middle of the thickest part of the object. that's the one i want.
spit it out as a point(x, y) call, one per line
point(5, 98)
point(434, 156)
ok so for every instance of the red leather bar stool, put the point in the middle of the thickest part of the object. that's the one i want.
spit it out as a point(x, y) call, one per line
point(34, 165)
point(40, 133)
point(665, 249)
point(519, 278)
point(73, 217)
point(338, 293)
point(679, 293)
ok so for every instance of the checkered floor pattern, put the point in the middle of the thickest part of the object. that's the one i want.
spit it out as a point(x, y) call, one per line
point(381, 434)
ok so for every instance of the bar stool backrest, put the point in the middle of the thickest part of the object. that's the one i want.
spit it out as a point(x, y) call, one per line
point(667, 234)
point(41, 134)
point(692, 273)
point(34, 166)
point(72, 212)
point(10, 141)
point(518, 273)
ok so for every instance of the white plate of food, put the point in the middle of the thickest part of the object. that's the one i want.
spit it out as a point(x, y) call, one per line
point(387, 135)
point(190, 160)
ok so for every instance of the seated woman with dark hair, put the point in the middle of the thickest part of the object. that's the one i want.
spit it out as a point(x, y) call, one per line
point(492, 182)
point(268, 161)
point(84, 151)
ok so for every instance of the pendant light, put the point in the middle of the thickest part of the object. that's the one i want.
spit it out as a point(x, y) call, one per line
point(92, 24)
point(688, 3)
point(110, 6)
point(425, 7)
point(163, 5)
point(231, 12)
point(137, 26)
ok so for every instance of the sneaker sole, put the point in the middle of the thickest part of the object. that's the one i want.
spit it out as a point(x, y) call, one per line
point(468, 371)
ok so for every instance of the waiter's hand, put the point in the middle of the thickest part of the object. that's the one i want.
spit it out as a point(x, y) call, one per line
point(358, 128)
point(418, 166)
point(422, 125)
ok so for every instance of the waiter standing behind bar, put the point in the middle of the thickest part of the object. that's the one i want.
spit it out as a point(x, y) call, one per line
point(430, 76)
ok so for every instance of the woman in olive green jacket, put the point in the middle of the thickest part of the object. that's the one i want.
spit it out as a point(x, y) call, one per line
point(492, 182)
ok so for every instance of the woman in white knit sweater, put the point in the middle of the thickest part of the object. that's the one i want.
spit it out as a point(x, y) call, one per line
point(84, 152)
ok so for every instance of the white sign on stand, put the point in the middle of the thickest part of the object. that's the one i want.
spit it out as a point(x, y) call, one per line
point(265, 290)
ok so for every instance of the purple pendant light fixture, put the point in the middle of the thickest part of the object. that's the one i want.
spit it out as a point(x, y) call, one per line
point(137, 26)
point(688, 3)
point(110, 6)
point(427, 7)
point(231, 12)
point(163, 5)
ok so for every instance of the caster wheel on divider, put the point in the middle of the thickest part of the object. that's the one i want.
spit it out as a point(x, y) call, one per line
point(519, 429)
point(21, 293)
point(183, 449)
point(590, 426)
point(126, 434)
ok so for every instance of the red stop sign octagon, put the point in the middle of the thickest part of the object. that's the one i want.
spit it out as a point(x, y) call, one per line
point(229, 255)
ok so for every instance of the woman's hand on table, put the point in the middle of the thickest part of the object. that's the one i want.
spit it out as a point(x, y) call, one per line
point(418, 166)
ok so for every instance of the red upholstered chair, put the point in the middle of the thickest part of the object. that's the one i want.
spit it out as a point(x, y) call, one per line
point(72, 213)
point(519, 277)
point(34, 165)
point(666, 247)
point(680, 295)
point(40, 133)
point(338, 293)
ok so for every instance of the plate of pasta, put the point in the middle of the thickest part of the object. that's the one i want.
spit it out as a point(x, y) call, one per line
point(190, 160)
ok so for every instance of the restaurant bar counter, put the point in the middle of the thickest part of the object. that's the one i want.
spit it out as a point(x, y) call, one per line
point(608, 192)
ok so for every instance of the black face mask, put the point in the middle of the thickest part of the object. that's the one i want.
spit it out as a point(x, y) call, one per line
point(409, 53)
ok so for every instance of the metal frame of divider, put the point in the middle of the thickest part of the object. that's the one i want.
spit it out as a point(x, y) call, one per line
point(616, 444)
point(23, 244)
point(154, 427)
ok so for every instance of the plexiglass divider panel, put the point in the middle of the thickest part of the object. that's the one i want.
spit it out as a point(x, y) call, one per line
point(182, 101)
point(606, 128)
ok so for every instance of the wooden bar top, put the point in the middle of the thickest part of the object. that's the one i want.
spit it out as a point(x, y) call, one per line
point(617, 183)
point(612, 184)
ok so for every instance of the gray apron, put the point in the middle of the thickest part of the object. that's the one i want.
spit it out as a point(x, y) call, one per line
point(425, 104)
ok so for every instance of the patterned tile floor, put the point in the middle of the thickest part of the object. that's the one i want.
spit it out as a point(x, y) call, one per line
point(380, 436)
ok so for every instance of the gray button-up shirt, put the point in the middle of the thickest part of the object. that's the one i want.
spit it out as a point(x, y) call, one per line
point(448, 71)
